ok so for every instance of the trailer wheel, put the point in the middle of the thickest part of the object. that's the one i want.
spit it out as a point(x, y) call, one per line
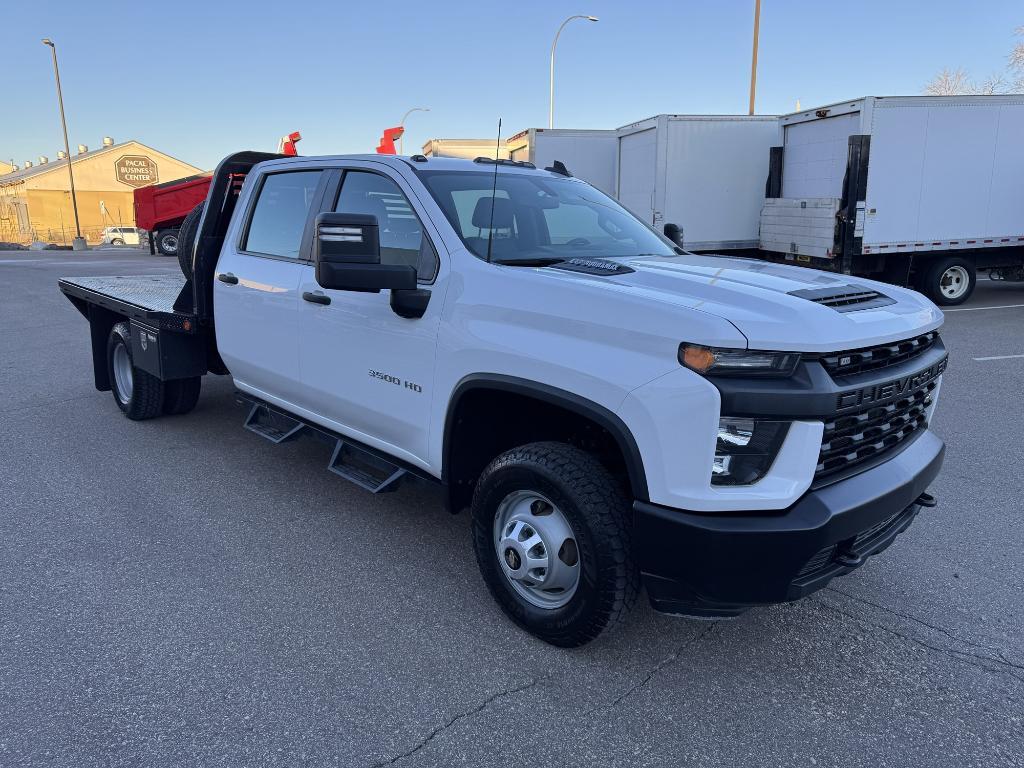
point(551, 531)
point(138, 394)
point(181, 395)
point(949, 281)
point(167, 242)
point(187, 240)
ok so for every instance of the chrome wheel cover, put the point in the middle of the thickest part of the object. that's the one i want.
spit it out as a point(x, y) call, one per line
point(536, 549)
point(123, 380)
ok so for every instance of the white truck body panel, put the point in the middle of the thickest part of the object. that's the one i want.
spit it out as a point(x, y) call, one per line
point(588, 154)
point(703, 172)
point(944, 173)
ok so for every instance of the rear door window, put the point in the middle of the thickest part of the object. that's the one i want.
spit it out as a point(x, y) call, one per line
point(279, 216)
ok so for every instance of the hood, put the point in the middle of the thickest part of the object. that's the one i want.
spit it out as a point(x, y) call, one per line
point(775, 306)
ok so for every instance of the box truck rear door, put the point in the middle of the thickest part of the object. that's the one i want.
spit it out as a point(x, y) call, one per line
point(814, 162)
point(637, 172)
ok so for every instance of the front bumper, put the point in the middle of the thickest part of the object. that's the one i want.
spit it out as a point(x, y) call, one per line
point(721, 564)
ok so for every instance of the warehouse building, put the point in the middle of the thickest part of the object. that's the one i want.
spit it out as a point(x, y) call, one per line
point(35, 199)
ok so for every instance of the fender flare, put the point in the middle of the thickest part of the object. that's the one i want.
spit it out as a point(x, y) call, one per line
point(570, 401)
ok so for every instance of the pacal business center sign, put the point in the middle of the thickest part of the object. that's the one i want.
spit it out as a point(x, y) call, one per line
point(136, 170)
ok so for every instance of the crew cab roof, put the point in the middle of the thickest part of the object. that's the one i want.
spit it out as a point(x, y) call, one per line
point(430, 164)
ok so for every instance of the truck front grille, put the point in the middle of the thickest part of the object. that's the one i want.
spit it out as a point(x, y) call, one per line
point(882, 356)
point(860, 435)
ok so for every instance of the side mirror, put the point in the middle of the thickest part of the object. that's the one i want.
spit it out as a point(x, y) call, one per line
point(674, 233)
point(346, 247)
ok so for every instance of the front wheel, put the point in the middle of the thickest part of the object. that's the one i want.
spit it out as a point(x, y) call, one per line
point(949, 281)
point(552, 537)
point(117, 241)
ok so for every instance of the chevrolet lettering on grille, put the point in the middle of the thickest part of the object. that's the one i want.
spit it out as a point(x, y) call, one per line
point(880, 393)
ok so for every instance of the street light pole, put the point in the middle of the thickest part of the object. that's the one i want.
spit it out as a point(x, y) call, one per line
point(753, 62)
point(401, 138)
point(78, 243)
point(551, 91)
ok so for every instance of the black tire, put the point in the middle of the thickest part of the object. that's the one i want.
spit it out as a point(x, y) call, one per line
point(143, 398)
point(117, 241)
point(599, 513)
point(181, 395)
point(187, 240)
point(944, 276)
point(167, 242)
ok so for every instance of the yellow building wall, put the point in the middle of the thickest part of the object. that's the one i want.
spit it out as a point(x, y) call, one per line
point(103, 199)
point(53, 220)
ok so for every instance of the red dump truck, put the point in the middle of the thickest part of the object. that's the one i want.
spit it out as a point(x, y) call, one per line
point(160, 209)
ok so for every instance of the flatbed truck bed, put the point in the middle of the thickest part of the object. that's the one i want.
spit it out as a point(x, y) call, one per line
point(149, 299)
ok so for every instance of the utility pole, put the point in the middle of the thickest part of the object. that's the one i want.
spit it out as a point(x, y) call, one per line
point(78, 244)
point(753, 60)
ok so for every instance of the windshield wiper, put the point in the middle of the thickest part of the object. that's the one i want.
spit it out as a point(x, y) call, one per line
point(538, 262)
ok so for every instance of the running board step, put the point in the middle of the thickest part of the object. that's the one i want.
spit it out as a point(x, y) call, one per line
point(367, 470)
point(273, 425)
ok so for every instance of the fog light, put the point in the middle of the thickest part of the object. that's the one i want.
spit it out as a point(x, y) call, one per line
point(745, 449)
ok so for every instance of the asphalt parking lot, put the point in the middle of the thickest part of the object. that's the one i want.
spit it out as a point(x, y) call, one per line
point(181, 593)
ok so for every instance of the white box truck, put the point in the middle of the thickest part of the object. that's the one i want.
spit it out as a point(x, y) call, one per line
point(469, 149)
point(589, 154)
point(705, 173)
point(919, 190)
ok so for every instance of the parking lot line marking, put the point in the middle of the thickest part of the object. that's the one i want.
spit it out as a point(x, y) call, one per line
point(975, 309)
point(999, 357)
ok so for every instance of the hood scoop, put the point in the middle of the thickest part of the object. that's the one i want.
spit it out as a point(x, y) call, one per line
point(593, 267)
point(845, 298)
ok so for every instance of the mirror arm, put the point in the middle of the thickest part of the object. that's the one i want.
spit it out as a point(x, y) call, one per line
point(410, 303)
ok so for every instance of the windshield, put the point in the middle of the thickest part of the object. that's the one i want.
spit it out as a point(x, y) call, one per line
point(537, 218)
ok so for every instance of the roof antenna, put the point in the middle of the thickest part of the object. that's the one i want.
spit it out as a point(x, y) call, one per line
point(494, 192)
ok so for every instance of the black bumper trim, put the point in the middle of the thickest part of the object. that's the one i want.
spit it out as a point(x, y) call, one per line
point(722, 563)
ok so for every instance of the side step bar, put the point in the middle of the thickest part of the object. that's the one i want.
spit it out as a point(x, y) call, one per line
point(359, 464)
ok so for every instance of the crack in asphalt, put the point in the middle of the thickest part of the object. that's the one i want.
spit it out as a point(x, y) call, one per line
point(963, 656)
point(948, 633)
point(639, 685)
point(460, 717)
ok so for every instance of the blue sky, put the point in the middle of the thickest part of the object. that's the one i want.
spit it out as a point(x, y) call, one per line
point(202, 79)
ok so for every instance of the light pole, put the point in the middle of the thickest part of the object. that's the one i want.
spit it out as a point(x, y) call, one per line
point(78, 243)
point(753, 61)
point(401, 138)
point(554, 43)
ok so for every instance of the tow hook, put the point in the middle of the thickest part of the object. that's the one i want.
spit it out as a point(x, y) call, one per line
point(926, 500)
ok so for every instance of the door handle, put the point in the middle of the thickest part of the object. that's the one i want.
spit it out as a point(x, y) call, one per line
point(227, 277)
point(316, 298)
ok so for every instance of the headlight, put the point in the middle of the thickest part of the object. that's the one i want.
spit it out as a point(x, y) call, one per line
point(715, 361)
point(746, 449)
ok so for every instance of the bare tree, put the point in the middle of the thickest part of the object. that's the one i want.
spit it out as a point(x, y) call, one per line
point(949, 82)
point(1016, 64)
point(957, 82)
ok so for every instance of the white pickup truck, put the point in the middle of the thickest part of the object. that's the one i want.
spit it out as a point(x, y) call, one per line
point(613, 410)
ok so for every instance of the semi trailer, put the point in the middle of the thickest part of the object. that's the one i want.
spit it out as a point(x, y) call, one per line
point(915, 190)
point(614, 411)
